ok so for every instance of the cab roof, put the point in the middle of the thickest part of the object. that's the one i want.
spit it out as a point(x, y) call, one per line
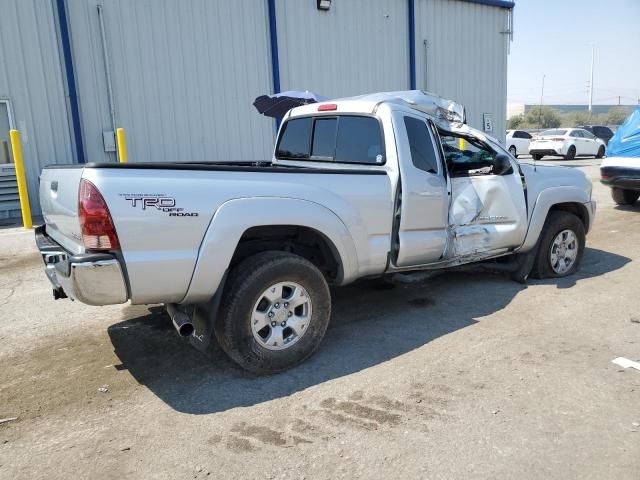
point(436, 107)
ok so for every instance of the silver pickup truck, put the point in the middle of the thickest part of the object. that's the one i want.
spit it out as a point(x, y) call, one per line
point(370, 186)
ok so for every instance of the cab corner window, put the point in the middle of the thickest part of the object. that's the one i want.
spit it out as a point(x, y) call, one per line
point(467, 156)
point(295, 139)
point(423, 154)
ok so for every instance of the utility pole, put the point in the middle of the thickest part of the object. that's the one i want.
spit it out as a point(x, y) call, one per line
point(593, 54)
point(540, 109)
point(618, 99)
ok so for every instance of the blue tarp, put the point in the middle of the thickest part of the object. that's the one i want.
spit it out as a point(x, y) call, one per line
point(626, 141)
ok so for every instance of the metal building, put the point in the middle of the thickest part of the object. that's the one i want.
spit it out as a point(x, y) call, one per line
point(180, 77)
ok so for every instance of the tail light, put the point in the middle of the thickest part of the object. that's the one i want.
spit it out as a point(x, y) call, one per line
point(98, 232)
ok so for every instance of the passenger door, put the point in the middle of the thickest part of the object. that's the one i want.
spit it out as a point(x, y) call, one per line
point(578, 142)
point(423, 200)
point(488, 211)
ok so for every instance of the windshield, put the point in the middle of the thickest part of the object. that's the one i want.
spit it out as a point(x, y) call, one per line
point(554, 131)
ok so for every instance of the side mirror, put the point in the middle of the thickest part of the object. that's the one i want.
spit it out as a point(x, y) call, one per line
point(501, 165)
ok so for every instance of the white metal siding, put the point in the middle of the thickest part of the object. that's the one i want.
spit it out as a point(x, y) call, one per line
point(358, 46)
point(467, 57)
point(184, 77)
point(31, 77)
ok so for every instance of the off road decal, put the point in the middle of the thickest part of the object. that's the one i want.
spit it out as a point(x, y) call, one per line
point(156, 201)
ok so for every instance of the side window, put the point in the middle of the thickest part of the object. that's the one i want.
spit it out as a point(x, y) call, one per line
point(587, 134)
point(466, 156)
point(295, 139)
point(576, 134)
point(517, 134)
point(522, 135)
point(423, 154)
point(359, 140)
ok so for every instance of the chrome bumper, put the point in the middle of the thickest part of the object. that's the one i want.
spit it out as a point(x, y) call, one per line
point(91, 278)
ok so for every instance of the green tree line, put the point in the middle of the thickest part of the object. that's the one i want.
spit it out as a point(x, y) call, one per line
point(547, 117)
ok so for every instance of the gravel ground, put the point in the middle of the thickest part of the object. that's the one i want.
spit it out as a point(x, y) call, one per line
point(463, 376)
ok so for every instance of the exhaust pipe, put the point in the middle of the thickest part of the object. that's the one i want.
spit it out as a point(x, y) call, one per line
point(181, 321)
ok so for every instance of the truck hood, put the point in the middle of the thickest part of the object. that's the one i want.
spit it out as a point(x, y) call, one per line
point(541, 177)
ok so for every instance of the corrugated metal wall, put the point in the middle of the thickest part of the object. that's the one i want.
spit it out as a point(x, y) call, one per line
point(358, 46)
point(31, 78)
point(184, 77)
point(467, 57)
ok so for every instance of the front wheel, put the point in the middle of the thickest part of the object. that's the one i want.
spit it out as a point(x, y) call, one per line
point(561, 247)
point(537, 156)
point(624, 197)
point(275, 312)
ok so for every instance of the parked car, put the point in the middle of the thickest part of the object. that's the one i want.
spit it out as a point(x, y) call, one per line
point(363, 187)
point(621, 169)
point(600, 131)
point(518, 142)
point(566, 142)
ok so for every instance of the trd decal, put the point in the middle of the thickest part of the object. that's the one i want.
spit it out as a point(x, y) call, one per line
point(160, 202)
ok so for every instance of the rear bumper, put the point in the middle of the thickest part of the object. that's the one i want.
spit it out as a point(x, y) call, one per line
point(620, 177)
point(91, 278)
point(545, 151)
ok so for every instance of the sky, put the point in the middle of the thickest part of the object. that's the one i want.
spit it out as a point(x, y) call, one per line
point(554, 38)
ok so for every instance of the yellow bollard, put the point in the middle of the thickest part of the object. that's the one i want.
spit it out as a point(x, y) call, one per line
point(16, 147)
point(463, 144)
point(122, 145)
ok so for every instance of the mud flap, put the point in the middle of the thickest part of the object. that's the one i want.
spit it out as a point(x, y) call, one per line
point(204, 317)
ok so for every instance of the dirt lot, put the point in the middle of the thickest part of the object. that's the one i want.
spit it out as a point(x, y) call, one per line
point(464, 376)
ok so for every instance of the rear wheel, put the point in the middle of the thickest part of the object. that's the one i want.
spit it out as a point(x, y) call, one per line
point(561, 247)
point(600, 153)
point(571, 153)
point(537, 156)
point(513, 151)
point(275, 312)
point(624, 197)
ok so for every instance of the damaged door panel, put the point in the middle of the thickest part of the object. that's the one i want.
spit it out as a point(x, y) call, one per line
point(488, 210)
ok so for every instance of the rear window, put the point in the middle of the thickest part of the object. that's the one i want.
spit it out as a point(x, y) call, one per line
point(553, 132)
point(295, 139)
point(343, 139)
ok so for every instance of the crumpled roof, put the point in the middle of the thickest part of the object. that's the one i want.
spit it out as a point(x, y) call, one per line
point(626, 141)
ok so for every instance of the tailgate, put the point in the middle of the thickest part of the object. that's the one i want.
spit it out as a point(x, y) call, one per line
point(59, 201)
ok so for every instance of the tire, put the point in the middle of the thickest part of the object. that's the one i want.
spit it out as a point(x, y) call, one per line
point(556, 224)
point(244, 299)
point(601, 151)
point(513, 151)
point(624, 197)
point(537, 156)
point(571, 153)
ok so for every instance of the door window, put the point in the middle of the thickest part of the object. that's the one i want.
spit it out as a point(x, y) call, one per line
point(576, 134)
point(423, 154)
point(467, 156)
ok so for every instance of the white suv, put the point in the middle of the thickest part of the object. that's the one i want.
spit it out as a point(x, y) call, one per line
point(518, 142)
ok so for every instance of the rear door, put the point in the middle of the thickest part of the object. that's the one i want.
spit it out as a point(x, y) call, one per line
point(578, 142)
point(424, 199)
point(488, 211)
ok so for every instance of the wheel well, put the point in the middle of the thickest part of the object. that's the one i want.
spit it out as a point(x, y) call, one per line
point(303, 241)
point(578, 209)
